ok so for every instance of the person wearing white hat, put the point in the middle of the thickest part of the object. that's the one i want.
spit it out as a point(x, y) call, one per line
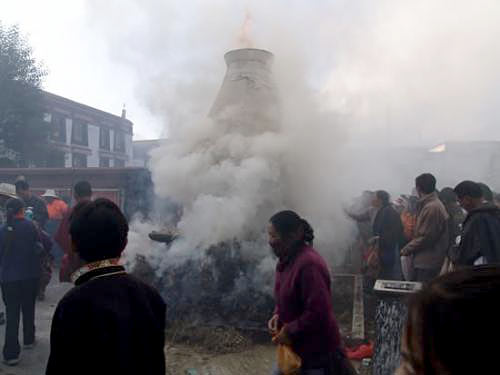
point(55, 205)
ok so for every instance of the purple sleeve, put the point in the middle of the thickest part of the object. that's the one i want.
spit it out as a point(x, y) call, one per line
point(276, 293)
point(315, 296)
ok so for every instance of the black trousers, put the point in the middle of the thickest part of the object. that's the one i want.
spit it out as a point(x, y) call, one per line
point(19, 297)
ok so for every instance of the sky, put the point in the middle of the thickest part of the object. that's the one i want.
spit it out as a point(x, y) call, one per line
point(77, 59)
point(408, 72)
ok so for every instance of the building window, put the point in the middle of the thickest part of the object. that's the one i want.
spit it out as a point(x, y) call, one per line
point(119, 163)
point(79, 160)
point(56, 159)
point(80, 133)
point(104, 138)
point(104, 162)
point(58, 128)
point(119, 141)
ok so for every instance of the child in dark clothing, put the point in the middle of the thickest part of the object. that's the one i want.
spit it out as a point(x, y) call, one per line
point(111, 319)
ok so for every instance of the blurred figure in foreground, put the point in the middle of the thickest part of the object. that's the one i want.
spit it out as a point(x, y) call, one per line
point(430, 242)
point(480, 239)
point(452, 325)
point(110, 322)
point(303, 316)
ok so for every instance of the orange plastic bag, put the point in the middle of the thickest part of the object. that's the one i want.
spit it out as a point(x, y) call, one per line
point(289, 363)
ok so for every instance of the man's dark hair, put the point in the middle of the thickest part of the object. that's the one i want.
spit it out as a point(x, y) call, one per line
point(83, 189)
point(22, 185)
point(468, 189)
point(384, 197)
point(447, 195)
point(486, 191)
point(99, 230)
point(426, 183)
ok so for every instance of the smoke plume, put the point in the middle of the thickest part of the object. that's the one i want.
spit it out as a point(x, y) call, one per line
point(360, 83)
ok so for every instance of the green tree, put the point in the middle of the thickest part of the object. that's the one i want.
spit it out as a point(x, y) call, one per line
point(23, 133)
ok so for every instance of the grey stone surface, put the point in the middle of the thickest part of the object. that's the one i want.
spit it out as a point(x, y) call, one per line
point(33, 361)
point(390, 319)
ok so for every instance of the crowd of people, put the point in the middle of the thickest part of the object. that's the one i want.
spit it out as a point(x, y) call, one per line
point(111, 322)
point(110, 318)
point(418, 237)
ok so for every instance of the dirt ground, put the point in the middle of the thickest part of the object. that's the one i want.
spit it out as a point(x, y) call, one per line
point(183, 360)
point(257, 360)
point(224, 352)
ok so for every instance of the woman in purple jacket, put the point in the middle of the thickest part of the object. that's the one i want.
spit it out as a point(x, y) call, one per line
point(303, 317)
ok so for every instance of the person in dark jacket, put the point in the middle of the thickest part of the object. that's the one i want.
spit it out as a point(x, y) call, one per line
point(456, 214)
point(110, 322)
point(19, 276)
point(40, 212)
point(303, 315)
point(480, 240)
point(388, 231)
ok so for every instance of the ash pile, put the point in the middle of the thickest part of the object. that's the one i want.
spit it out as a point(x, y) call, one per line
point(213, 301)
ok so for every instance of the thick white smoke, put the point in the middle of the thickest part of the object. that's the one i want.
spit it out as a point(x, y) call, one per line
point(358, 80)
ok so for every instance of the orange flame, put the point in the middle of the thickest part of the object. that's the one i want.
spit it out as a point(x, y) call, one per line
point(244, 39)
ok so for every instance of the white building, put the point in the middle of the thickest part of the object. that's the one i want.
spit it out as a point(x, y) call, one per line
point(87, 137)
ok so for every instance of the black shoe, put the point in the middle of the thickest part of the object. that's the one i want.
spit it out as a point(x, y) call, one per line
point(30, 346)
point(11, 362)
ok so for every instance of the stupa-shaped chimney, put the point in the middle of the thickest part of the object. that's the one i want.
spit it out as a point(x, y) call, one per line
point(248, 98)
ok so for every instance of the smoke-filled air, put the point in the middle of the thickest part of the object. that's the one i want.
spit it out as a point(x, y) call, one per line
point(358, 86)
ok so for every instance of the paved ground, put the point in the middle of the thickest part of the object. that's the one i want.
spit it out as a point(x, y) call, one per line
point(33, 361)
point(181, 360)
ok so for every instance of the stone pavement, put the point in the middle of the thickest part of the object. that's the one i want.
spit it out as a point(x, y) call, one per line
point(33, 361)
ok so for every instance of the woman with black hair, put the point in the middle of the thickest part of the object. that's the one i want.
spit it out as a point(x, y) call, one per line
point(303, 316)
point(20, 272)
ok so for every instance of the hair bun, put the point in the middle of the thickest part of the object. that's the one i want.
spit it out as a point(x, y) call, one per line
point(308, 232)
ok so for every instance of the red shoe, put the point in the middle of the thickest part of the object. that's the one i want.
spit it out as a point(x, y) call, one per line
point(361, 352)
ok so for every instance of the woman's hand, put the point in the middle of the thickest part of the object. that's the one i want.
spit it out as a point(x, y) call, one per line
point(282, 337)
point(272, 324)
